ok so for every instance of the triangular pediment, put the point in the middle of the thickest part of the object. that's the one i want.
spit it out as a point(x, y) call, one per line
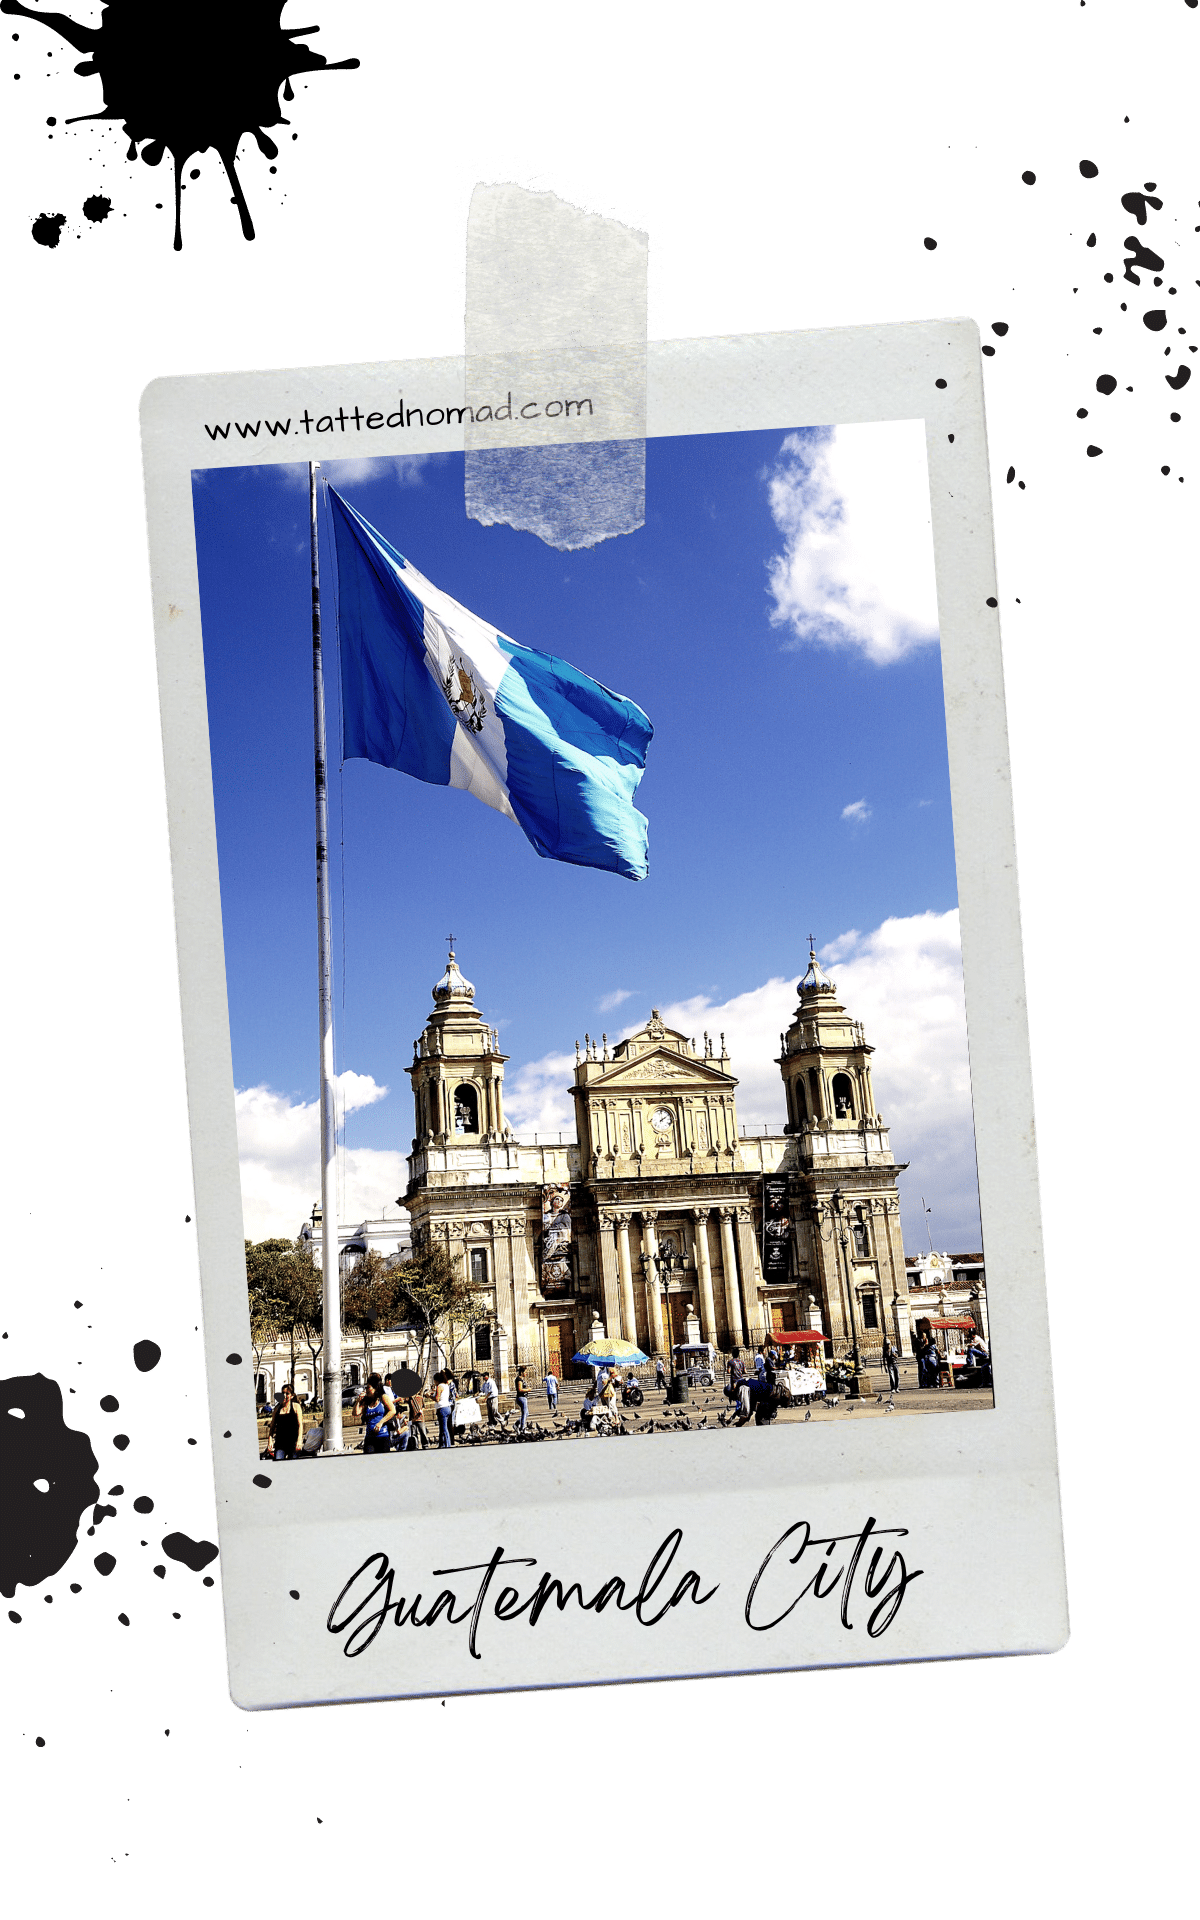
point(661, 1067)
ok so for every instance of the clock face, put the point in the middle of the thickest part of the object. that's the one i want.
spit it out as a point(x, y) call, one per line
point(661, 1119)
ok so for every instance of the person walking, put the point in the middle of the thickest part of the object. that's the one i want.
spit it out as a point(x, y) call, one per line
point(891, 1361)
point(660, 1373)
point(491, 1395)
point(378, 1411)
point(415, 1436)
point(551, 1385)
point(928, 1362)
point(286, 1431)
point(521, 1389)
point(444, 1406)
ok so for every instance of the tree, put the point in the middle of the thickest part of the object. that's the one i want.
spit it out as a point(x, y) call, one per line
point(371, 1298)
point(436, 1293)
point(268, 1285)
point(306, 1296)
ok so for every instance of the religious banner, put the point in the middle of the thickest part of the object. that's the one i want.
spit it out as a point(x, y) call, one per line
point(555, 1269)
point(777, 1227)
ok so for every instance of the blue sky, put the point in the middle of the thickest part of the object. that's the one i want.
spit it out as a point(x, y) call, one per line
point(765, 734)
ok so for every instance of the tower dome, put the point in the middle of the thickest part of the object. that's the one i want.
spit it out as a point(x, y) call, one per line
point(452, 985)
point(815, 980)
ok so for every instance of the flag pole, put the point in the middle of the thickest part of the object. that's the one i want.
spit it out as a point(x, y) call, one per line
point(331, 1286)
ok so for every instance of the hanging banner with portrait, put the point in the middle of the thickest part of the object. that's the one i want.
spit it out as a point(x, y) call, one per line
point(555, 1271)
point(777, 1227)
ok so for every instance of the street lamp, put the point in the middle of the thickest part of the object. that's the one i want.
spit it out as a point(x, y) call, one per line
point(663, 1265)
point(831, 1224)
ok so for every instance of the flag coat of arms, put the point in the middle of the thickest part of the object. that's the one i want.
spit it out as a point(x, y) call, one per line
point(434, 691)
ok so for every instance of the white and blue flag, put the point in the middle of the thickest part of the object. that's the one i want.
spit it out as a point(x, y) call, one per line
point(434, 691)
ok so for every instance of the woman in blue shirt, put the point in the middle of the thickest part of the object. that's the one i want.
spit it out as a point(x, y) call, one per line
point(378, 1411)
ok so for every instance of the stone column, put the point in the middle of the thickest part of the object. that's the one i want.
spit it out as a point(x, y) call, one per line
point(610, 1284)
point(628, 1309)
point(708, 1315)
point(733, 1311)
point(653, 1298)
point(750, 1268)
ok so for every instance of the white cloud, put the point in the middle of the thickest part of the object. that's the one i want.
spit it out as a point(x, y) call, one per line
point(859, 811)
point(857, 567)
point(537, 1096)
point(616, 999)
point(279, 1148)
point(405, 469)
point(904, 982)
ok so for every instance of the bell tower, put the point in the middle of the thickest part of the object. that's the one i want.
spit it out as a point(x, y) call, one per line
point(457, 1070)
point(843, 1184)
point(825, 1061)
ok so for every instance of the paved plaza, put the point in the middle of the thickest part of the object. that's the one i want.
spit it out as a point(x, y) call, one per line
point(706, 1411)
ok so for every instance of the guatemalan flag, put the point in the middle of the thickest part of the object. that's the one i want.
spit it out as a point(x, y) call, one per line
point(432, 690)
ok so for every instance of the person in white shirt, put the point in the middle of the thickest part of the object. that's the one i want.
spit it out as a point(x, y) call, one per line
point(444, 1403)
point(551, 1386)
point(491, 1394)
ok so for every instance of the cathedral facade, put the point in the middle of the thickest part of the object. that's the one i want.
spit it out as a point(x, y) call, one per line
point(660, 1222)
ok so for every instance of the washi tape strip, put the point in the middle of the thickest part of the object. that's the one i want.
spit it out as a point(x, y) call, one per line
point(556, 323)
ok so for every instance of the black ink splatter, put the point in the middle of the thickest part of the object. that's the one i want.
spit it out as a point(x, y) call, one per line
point(183, 85)
point(1093, 451)
point(1156, 320)
point(1106, 384)
point(233, 1359)
point(110, 1403)
point(104, 1563)
point(97, 207)
point(1140, 256)
point(195, 1554)
point(120, 1441)
point(1178, 379)
point(1088, 169)
point(1134, 203)
point(47, 228)
point(930, 244)
point(41, 1522)
point(262, 1479)
point(1029, 178)
point(146, 1355)
point(143, 1504)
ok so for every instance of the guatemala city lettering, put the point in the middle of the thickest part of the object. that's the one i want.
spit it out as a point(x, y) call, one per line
point(368, 1601)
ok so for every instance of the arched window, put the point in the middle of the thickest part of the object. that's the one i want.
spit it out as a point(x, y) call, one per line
point(870, 1311)
point(862, 1234)
point(435, 1118)
point(814, 1090)
point(466, 1109)
point(801, 1104)
point(843, 1097)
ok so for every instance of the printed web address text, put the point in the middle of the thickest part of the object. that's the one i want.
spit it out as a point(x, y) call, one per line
point(356, 419)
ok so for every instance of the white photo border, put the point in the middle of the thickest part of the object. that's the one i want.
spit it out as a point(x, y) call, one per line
point(980, 1566)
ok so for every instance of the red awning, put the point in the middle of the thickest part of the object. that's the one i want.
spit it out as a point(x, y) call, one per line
point(792, 1339)
point(964, 1324)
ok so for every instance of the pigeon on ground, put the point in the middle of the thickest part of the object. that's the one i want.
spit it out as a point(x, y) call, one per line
point(878, 1398)
point(808, 1413)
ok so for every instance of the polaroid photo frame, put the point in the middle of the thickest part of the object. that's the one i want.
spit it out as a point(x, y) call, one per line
point(866, 1531)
